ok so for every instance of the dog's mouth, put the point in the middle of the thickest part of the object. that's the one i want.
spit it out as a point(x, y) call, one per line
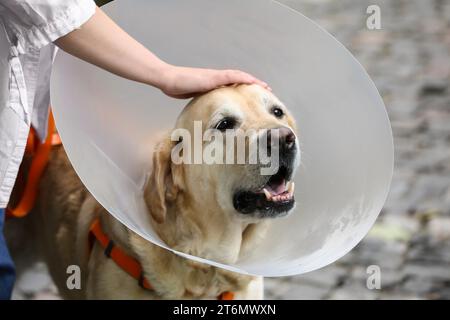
point(273, 199)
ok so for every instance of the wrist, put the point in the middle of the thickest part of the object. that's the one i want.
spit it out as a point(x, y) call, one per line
point(161, 76)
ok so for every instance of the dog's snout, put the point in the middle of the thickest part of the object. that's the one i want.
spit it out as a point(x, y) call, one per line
point(286, 138)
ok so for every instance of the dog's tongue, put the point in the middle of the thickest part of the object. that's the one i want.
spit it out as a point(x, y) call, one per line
point(277, 188)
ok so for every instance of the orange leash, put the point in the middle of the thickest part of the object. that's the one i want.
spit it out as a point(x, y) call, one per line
point(41, 153)
point(127, 263)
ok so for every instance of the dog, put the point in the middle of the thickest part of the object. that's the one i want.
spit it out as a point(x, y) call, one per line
point(215, 211)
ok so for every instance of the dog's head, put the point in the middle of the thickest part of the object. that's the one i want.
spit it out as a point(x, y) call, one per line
point(206, 165)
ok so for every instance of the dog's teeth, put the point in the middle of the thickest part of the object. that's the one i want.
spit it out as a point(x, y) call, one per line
point(291, 187)
point(268, 195)
point(288, 185)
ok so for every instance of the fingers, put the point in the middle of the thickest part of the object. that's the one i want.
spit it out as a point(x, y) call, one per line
point(237, 76)
point(183, 96)
point(189, 82)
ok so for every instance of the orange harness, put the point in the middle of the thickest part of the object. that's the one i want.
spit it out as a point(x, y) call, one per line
point(40, 153)
point(127, 263)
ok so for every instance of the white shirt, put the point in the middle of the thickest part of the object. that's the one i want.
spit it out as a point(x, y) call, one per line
point(27, 30)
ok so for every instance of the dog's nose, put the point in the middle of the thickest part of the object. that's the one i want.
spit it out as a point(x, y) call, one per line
point(286, 138)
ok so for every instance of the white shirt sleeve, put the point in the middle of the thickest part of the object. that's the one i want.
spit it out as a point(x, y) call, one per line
point(32, 24)
point(27, 30)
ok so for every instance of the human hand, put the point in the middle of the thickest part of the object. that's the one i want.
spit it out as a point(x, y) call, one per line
point(183, 83)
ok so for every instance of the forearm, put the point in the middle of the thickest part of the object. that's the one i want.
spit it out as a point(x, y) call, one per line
point(103, 43)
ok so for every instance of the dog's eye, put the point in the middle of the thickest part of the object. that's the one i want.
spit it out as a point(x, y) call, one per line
point(277, 112)
point(226, 123)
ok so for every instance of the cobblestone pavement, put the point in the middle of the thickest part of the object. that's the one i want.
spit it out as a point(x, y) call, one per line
point(409, 60)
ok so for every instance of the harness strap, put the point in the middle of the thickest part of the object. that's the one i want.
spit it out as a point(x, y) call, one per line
point(227, 295)
point(127, 263)
point(41, 153)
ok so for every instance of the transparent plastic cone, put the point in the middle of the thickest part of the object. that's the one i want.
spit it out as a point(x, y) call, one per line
point(109, 125)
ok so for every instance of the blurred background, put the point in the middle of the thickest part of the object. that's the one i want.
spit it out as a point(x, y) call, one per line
point(409, 61)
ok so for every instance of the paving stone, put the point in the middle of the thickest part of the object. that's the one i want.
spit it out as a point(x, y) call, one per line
point(399, 296)
point(275, 288)
point(376, 251)
point(429, 252)
point(326, 277)
point(434, 87)
point(390, 232)
point(439, 228)
point(427, 271)
point(306, 292)
point(419, 286)
point(355, 290)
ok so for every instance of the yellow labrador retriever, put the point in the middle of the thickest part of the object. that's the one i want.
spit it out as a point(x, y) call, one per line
point(216, 211)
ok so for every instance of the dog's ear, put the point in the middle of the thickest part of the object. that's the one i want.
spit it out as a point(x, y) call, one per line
point(164, 182)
